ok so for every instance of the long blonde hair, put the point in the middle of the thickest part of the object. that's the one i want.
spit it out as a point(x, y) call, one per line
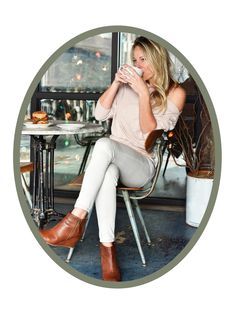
point(159, 60)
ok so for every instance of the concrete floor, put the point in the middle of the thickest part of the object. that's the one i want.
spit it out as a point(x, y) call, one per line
point(168, 231)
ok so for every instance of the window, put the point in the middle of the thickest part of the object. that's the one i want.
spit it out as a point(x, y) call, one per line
point(85, 67)
point(126, 42)
point(70, 89)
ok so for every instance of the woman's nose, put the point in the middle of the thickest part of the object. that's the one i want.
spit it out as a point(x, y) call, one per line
point(137, 64)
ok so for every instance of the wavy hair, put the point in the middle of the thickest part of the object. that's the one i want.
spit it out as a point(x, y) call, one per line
point(160, 63)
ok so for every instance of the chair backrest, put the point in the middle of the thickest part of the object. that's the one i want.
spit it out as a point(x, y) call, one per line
point(26, 167)
point(151, 140)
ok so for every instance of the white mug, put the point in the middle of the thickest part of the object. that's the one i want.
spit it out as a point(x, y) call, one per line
point(137, 70)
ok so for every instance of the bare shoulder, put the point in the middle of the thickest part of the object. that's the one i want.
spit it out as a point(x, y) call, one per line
point(178, 96)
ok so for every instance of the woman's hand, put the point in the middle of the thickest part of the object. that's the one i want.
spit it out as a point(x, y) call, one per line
point(120, 76)
point(129, 76)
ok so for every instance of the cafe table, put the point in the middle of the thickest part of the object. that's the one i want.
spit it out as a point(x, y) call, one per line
point(43, 141)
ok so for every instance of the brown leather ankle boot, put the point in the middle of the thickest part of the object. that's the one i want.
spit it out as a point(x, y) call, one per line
point(109, 266)
point(66, 233)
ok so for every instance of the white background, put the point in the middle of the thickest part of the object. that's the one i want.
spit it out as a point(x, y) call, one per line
point(30, 32)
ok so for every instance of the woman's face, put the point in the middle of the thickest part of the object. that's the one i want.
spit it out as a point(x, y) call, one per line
point(139, 60)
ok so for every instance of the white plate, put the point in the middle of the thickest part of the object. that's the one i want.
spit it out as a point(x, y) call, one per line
point(28, 122)
point(70, 126)
point(37, 126)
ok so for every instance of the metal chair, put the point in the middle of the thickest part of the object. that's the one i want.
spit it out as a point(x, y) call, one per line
point(155, 143)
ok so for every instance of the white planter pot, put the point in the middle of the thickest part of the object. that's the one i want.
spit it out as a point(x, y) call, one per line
point(198, 192)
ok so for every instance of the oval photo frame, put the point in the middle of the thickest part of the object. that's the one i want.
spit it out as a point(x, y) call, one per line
point(216, 134)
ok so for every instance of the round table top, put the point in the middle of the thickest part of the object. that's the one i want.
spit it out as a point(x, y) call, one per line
point(61, 127)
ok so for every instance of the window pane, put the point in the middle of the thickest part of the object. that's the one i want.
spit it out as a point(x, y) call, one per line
point(126, 42)
point(75, 110)
point(25, 148)
point(86, 67)
point(68, 158)
point(69, 153)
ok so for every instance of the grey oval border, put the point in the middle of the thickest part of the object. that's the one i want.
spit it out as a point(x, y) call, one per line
point(218, 157)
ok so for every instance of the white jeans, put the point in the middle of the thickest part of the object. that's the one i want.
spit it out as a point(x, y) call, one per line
point(111, 161)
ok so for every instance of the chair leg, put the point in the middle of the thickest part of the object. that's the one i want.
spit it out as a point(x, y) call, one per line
point(85, 157)
point(166, 164)
point(88, 219)
point(71, 250)
point(138, 210)
point(134, 225)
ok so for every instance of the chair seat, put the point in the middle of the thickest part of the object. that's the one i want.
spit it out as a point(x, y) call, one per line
point(79, 179)
point(26, 167)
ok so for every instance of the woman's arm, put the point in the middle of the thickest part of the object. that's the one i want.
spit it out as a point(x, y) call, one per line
point(168, 120)
point(146, 117)
point(147, 120)
point(178, 96)
point(106, 100)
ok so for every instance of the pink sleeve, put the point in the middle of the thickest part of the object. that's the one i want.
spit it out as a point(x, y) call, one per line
point(167, 121)
point(101, 113)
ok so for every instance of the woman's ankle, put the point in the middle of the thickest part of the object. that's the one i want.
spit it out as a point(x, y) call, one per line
point(79, 212)
point(107, 244)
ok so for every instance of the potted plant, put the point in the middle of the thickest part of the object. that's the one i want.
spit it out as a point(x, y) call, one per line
point(195, 143)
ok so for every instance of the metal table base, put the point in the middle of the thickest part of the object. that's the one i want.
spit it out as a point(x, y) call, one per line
point(43, 180)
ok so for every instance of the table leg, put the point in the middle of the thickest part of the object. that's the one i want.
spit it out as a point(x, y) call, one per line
point(41, 146)
point(35, 162)
point(38, 204)
point(50, 147)
point(47, 201)
point(43, 180)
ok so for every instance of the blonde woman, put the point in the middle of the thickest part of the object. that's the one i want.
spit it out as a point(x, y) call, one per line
point(137, 104)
